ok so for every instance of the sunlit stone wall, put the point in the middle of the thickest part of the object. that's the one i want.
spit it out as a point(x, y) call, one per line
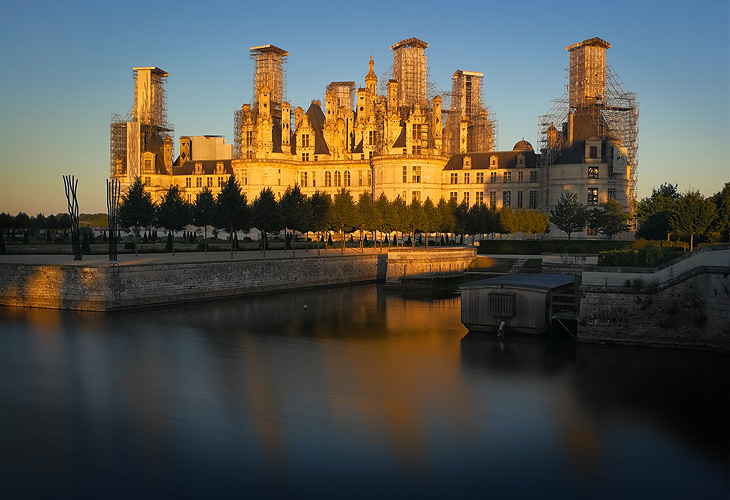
point(134, 286)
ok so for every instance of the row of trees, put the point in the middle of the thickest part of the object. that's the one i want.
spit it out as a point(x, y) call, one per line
point(22, 225)
point(232, 212)
point(668, 213)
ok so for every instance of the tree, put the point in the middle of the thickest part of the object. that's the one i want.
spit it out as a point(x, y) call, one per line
point(22, 223)
point(461, 216)
point(609, 219)
point(721, 225)
point(135, 211)
point(173, 213)
point(416, 220)
point(569, 215)
point(204, 213)
point(367, 216)
point(231, 210)
point(430, 218)
point(51, 225)
point(291, 204)
point(653, 213)
point(384, 216)
point(343, 216)
point(266, 215)
point(692, 215)
point(401, 216)
point(319, 207)
point(446, 222)
point(509, 219)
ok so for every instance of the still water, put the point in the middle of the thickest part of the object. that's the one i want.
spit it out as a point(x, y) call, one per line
point(361, 394)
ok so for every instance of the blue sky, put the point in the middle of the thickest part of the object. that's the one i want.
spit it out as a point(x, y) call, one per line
point(66, 67)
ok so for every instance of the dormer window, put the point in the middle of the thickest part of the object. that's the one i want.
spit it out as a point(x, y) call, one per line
point(219, 167)
point(493, 162)
point(520, 161)
point(198, 168)
point(467, 162)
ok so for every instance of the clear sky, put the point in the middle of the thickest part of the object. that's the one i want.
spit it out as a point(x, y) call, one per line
point(66, 67)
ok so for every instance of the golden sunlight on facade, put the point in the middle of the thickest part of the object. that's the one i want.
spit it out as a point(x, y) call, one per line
point(401, 137)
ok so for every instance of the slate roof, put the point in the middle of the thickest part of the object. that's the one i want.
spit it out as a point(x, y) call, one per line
point(400, 142)
point(543, 281)
point(480, 161)
point(316, 120)
point(209, 166)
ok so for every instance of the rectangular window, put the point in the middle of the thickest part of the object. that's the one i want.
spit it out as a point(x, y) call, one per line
point(305, 140)
point(480, 177)
point(347, 178)
point(519, 199)
point(593, 172)
point(493, 177)
point(454, 178)
point(507, 177)
point(220, 181)
point(359, 177)
point(148, 164)
point(210, 182)
point(592, 197)
point(611, 194)
point(187, 182)
point(506, 198)
point(303, 179)
point(370, 177)
point(593, 152)
point(245, 177)
point(533, 200)
point(314, 179)
point(520, 176)
point(189, 197)
point(416, 149)
point(502, 304)
point(454, 195)
point(479, 199)
point(493, 199)
point(198, 182)
point(416, 170)
point(466, 177)
point(328, 179)
point(148, 181)
point(338, 178)
point(416, 196)
point(417, 131)
point(305, 156)
point(249, 138)
point(405, 174)
point(371, 137)
point(533, 175)
point(466, 197)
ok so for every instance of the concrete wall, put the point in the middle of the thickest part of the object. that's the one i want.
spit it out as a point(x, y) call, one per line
point(133, 286)
point(567, 263)
point(425, 263)
point(681, 304)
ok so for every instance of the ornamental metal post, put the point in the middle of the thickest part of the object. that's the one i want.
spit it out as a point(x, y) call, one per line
point(70, 184)
point(112, 206)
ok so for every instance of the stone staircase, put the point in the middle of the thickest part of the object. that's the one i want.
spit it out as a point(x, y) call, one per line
point(517, 266)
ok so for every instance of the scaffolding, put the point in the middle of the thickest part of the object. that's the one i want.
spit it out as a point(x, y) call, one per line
point(466, 104)
point(343, 93)
point(133, 134)
point(410, 69)
point(593, 89)
point(269, 73)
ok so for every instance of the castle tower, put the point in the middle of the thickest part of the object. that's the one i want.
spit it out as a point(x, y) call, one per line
point(269, 73)
point(587, 72)
point(371, 79)
point(149, 96)
point(410, 69)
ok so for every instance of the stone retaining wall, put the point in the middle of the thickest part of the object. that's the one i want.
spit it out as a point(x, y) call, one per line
point(427, 263)
point(134, 286)
point(685, 304)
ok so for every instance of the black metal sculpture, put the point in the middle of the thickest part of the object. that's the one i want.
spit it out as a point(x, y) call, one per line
point(112, 206)
point(73, 210)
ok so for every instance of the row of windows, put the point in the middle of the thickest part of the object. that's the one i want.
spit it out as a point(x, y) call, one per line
point(199, 182)
point(340, 180)
point(506, 198)
point(415, 174)
point(506, 177)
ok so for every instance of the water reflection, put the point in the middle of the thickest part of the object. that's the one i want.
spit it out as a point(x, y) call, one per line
point(359, 394)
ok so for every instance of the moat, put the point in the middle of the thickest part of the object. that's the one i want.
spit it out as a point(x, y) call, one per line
point(360, 394)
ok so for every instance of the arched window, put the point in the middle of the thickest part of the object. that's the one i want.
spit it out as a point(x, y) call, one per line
point(338, 178)
point(347, 178)
point(328, 179)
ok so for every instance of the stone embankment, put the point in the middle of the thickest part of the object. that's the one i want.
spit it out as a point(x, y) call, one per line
point(117, 287)
point(684, 303)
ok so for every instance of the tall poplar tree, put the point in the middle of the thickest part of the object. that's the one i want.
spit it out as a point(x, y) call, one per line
point(231, 210)
point(136, 210)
